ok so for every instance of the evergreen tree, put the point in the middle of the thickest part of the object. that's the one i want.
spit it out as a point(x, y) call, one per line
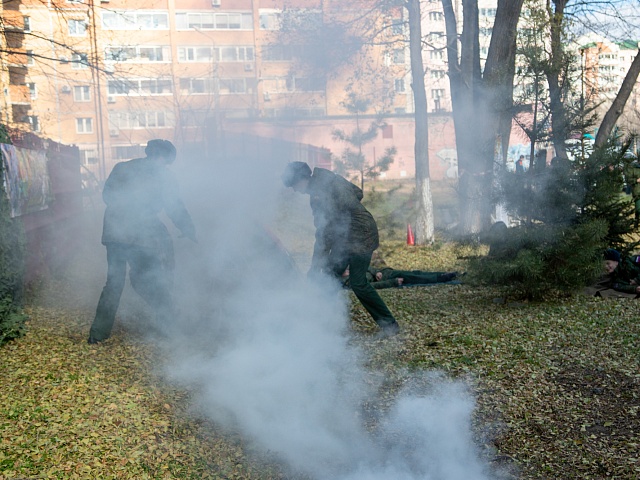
point(353, 158)
point(567, 215)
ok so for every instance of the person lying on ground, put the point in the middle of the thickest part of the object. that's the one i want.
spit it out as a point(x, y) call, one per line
point(623, 272)
point(390, 277)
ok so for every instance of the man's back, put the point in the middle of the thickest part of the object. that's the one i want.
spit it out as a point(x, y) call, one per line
point(134, 194)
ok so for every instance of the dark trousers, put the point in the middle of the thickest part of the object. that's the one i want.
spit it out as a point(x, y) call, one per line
point(369, 298)
point(150, 277)
point(412, 277)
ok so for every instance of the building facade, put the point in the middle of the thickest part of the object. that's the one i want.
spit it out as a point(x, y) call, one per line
point(108, 76)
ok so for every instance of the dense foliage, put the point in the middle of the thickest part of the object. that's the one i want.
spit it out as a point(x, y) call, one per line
point(12, 320)
point(566, 215)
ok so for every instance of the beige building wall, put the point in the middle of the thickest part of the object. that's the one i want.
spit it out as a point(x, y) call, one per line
point(166, 67)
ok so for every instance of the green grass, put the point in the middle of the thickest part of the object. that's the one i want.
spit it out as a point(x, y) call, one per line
point(557, 386)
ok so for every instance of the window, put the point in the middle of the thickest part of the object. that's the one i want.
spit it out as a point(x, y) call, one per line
point(399, 85)
point(436, 36)
point(436, 16)
point(235, 54)
point(281, 53)
point(397, 26)
point(34, 122)
point(33, 91)
point(27, 24)
point(152, 54)
point(122, 152)
point(156, 86)
point(30, 59)
point(195, 54)
point(140, 86)
point(223, 86)
point(141, 119)
point(436, 74)
point(77, 28)
point(218, 54)
point(197, 85)
point(79, 61)
point(88, 155)
point(270, 20)
point(437, 93)
point(82, 93)
point(233, 85)
point(84, 125)
point(135, 20)
point(146, 53)
point(291, 83)
point(436, 54)
point(214, 21)
point(399, 57)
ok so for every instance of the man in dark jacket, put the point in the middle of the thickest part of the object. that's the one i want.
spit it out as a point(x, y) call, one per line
point(624, 272)
point(390, 277)
point(346, 234)
point(135, 193)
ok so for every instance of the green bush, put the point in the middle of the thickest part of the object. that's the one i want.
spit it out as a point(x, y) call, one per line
point(12, 320)
point(538, 260)
point(568, 214)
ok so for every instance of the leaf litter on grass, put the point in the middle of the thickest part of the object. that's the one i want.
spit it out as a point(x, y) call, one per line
point(557, 386)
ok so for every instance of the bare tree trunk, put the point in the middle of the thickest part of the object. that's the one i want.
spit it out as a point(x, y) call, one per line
point(465, 78)
point(425, 221)
point(482, 103)
point(614, 112)
point(555, 70)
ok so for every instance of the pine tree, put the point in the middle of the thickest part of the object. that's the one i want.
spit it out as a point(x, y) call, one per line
point(568, 214)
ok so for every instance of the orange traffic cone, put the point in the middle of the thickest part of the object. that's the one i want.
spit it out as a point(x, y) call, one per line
point(410, 239)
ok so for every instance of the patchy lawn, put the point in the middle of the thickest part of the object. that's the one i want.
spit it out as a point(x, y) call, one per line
point(557, 386)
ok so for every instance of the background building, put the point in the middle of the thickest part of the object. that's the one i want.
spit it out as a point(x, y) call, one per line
point(108, 75)
point(167, 68)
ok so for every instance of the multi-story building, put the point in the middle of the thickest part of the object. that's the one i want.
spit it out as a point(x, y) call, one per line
point(107, 76)
point(604, 65)
point(16, 99)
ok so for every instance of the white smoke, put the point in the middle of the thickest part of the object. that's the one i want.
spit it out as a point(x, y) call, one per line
point(268, 354)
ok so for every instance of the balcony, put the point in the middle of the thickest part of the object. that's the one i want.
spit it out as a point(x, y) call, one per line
point(20, 95)
point(17, 59)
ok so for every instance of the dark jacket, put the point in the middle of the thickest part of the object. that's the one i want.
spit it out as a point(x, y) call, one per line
point(628, 269)
point(342, 222)
point(135, 193)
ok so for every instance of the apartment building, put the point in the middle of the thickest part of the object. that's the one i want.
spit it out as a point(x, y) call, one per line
point(604, 65)
point(107, 75)
point(16, 99)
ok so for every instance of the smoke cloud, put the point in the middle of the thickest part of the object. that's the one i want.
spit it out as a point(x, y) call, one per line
point(267, 353)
